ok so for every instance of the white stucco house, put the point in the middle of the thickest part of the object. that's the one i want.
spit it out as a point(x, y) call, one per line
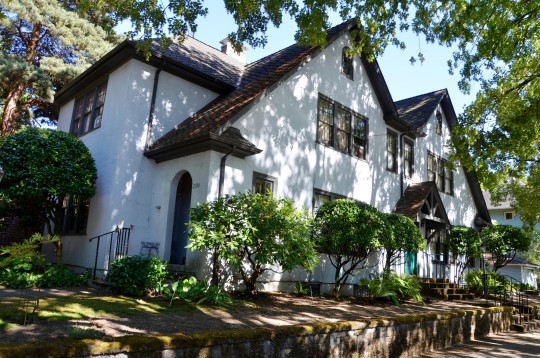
point(311, 124)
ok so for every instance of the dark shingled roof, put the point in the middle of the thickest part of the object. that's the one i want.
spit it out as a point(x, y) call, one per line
point(418, 109)
point(256, 78)
point(202, 59)
point(413, 198)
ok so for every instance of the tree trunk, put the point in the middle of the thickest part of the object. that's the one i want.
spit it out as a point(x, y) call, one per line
point(337, 281)
point(11, 112)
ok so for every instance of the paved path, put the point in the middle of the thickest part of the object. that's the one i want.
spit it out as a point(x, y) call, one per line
point(508, 345)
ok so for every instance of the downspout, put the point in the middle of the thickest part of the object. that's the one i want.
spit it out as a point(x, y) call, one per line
point(152, 106)
point(402, 166)
point(215, 263)
point(222, 171)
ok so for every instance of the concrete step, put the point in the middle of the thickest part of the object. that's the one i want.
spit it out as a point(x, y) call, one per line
point(525, 326)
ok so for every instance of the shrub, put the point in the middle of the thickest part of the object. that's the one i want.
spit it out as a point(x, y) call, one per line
point(61, 276)
point(494, 282)
point(22, 264)
point(253, 231)
point(192, 290)
point(348, 231)
point(138, 275)
point(395, 287)
point(402, 235)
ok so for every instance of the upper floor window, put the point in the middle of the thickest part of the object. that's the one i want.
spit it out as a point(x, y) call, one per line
point(391, 151)
point(440, 174)
point(408, 158)
point(88, 110)
point(264, 184)
point(347, 67)
point(438, 125)
point(341, 128)
point(509, 215)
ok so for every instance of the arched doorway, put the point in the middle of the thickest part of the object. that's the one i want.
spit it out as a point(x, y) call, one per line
point(181, 217)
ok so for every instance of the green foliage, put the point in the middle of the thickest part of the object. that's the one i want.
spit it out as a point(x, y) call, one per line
point(394, 287)
point(251, 232)
point(45, 44)
point(464, 241)
point(138, 275)
point(61, 276)
point(402, 235)
point(41, 167)
point(194, 291)
point(348, 232)
point(301, 290)
point(24, 266)
point(503, 242)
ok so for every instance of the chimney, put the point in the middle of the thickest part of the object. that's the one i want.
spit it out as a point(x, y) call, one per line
point(228, 49)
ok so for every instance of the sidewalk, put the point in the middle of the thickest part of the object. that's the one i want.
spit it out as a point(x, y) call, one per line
point(508, 345)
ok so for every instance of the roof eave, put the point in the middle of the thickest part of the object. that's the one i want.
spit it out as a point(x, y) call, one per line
point(203, 143)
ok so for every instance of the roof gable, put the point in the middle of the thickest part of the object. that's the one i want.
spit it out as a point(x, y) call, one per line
point(422, 200)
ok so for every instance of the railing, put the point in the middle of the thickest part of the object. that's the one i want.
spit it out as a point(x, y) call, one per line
point(120, 237)
point(512, 296)
point(435, 267)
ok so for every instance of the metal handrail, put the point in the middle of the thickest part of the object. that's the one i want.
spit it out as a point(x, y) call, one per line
point(503, 297)
point(121, 246)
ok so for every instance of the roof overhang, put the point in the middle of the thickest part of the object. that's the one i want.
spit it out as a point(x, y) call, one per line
point(233, 143)
point(126, 51)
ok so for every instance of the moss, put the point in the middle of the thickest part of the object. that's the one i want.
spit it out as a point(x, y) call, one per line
point(140, 343)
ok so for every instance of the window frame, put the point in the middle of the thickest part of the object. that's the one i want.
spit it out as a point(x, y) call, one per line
point(355, 133)
point(87, 116)
point(266, 178)
point(408, 164)
point(74, 216)
point(394, 154)
point(512, 213)
point(332, 196)
point(438, 124)
point(443, 177)
point(347, 64)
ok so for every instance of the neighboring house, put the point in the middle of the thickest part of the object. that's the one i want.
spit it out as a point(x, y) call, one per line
point(505, 214)
point(310, 124)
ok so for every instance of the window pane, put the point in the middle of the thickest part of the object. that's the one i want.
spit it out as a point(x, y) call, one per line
point(263, 186)
point(359, 137)
point(391, 152)
point(326, 121)
point(408, 159)
point(319, 199)
point(347, 64)
point(448, 181)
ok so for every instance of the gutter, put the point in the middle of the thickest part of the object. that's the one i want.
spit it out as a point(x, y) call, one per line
point(222, 171)
point(152, 106)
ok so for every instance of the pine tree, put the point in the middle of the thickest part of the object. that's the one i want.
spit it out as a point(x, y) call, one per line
point(44, 45)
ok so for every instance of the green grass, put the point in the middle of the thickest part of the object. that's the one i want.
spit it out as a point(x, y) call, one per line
point(85, 307)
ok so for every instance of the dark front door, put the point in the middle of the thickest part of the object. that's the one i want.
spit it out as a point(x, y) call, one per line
point(181, 217)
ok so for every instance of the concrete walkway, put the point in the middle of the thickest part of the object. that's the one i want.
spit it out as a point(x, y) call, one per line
point(508, 345)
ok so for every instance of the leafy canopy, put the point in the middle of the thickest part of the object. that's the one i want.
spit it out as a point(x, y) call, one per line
point(41, 167)
point(348, 232)
point(503, 242)
point(464, 241)
point(402, 235)
point(251, 232)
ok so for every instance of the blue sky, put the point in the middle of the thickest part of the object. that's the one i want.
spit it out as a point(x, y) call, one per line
point(403, 79)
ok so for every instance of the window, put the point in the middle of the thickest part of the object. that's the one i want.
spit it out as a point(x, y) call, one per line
point(74, 216)
point(341, 128)
point(264, 184)
point(89, 110)
point(320, 197)
point(439, 246)
point(438, 128)
point(509, 215)
point(408, 158)
point(347, 67)
point(391, 151)
point(440, 174)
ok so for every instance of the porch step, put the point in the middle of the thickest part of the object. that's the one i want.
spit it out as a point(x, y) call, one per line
point(442, 288)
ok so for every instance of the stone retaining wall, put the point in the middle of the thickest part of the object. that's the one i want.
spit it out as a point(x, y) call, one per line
point(401, 336)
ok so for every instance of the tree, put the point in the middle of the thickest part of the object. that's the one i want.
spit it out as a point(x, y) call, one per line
point(42, 167)
point(464, 241)
point(45, 44)
point(503, 242)
point(402, 235)
point(253, 231)
point(348, 232)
